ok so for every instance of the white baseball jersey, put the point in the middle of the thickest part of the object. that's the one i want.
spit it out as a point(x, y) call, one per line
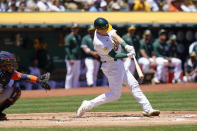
point(104, 44)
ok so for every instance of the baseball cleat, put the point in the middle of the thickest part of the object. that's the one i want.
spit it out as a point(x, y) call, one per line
point(151, 113)
point(155, 81)
point(82, 109)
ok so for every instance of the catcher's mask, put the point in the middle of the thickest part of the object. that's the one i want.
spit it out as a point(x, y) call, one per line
point(8, 62)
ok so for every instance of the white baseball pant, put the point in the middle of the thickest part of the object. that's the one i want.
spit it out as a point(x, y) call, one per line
point(145, 63)
point(72, 76)
point(92, 71)
point(160, 74)
point(116, 73)
point(129, 65)
point(190, 78)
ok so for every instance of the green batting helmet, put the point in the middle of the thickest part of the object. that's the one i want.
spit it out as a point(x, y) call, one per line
point(101, 24)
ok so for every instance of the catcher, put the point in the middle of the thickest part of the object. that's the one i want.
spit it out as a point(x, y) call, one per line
point(8, 74)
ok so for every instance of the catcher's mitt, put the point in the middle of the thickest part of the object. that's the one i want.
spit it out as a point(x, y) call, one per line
point(43, 81)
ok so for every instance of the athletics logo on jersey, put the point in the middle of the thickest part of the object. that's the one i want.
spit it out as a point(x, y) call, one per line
point(106, 49)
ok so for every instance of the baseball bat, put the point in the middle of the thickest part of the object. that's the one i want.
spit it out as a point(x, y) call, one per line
point(139, 71)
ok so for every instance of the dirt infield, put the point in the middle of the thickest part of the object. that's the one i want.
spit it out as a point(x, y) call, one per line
point(90, 119)
point(69, 119)
point(99, 90)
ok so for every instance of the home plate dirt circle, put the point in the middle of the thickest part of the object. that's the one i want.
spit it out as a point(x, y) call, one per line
point(69, 119)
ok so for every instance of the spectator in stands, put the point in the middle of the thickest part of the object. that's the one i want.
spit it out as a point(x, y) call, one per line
point(71, 5)
point(148, 57)
point(141, 5)
point(22, 7)
point(131, 39)
point(73, 57)
point(153, 5)
point(91, 60)
point(165, 5)
point(190, 67)
point(12, 7)
point(103, 5)
point(124, 5)
point(96, 7)
point(175, 6)
point(188, 6)
point(194, 2)
point(3, 6)
point(115, 7)
point(43, 5)
point(32, 5)
point(56, 6)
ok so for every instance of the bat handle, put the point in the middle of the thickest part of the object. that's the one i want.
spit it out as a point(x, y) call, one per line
point(139, 71)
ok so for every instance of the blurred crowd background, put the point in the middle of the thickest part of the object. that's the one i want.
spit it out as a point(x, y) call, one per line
point(97, 5)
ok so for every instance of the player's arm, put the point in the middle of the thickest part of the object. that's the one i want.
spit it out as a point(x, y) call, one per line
point(143, 53)
point(20, 76)
point(194, 71)
point(116, 38)
point(87, 50)
point(42, 80)
point(115, 55)
point(67, 48)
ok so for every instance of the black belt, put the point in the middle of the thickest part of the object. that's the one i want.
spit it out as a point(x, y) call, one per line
point(106, 61)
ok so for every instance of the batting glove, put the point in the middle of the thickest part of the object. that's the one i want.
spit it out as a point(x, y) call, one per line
point(129, 48)
point(131, 54)
point(43, 81)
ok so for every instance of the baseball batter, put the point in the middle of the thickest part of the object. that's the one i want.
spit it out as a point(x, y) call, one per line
point(108, 45)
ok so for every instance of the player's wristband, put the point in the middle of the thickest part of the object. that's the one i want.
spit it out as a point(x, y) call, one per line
point(115, 55)
point(123, 44)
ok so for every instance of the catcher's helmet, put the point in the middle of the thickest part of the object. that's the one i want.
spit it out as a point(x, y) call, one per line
point(101, 24)
point(7, 61)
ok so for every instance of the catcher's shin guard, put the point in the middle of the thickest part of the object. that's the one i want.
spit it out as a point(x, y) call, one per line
point(13, 98)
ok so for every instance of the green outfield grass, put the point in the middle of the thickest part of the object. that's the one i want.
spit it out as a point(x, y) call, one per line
point(153, 128)
point(171, 100)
